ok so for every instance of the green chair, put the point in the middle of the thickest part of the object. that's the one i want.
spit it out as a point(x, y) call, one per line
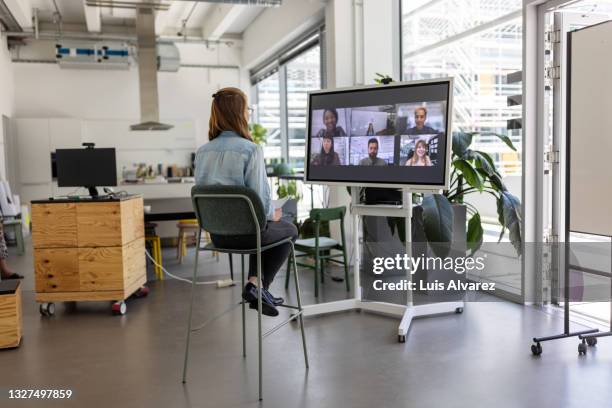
point(321, 247)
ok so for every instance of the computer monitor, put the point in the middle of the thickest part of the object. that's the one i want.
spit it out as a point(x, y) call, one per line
point(86, 168)
point(395, 135)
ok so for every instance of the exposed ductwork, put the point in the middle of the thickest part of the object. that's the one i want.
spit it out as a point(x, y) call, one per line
point(147, 72)
point(259, 3)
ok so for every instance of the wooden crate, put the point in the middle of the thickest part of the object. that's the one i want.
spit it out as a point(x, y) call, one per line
point(10, 314)
point(88, 250)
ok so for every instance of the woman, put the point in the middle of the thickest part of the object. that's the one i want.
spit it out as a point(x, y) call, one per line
point(330, 120)
point(5, 271)
point(327, 156)
point(231, 158)
point(420, 156)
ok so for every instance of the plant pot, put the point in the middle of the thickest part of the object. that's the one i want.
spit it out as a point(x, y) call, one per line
point(384, 237)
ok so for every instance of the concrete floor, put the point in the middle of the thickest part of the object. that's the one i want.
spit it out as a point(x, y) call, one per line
point(478, 359)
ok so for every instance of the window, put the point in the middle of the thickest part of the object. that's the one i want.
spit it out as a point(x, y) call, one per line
point(282, 100)
point(281, 86)
point(303, 75)
point(268, 114)
point(478, 42)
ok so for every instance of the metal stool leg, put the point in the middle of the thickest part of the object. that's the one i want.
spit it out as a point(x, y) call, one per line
point(243, 312)
point(160, 259)
point(287, 277)
point(259, 307)
point(193, 286)
point(231, 261)
point(299, 302)
point(316, 275)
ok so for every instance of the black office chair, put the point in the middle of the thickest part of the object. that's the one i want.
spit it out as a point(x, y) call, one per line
point(232, 211)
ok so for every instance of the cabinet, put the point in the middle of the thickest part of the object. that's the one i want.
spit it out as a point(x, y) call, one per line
point(35, 139)
point(88, 249)
point(10, 314)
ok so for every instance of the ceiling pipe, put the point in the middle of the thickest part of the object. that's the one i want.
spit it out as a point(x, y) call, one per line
point(258, 3)
point(183, 32)
point(46, 35)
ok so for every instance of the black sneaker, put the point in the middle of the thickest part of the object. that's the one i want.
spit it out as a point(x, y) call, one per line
point(276, 300)
point(250, 295)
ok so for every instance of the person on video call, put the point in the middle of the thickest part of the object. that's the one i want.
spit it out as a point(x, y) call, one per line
point(420, 156)
point(420, 128)
point(232, 158)
point(330, 120)
point(327, 156)
point(372, 159)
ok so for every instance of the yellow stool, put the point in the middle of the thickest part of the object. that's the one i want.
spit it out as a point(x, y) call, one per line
point(185, 226)
point(157, 255)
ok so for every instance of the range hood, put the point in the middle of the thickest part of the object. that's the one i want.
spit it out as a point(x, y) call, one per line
point(147, 72)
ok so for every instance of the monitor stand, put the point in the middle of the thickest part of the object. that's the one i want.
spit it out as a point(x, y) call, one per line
point(93, 191)
point(404, 312)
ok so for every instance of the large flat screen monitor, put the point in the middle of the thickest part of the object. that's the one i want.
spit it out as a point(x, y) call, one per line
point(394, 135)
point(86, 168)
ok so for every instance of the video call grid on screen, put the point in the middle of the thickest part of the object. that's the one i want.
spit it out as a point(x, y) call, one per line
point(370, 135)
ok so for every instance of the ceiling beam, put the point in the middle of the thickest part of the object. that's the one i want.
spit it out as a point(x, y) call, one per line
point(21, 11)
point(92, 18)
point(172, 19)
point(219, 20)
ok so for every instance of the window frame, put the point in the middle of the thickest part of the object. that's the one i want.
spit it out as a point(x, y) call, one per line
point(278, 63)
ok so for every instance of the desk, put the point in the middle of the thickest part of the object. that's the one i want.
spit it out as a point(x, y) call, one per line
point(88, 250)
point(170, 209)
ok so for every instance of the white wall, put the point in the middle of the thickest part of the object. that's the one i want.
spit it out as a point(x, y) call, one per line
point(379, 44)
point(6, 98)
point(46, 90)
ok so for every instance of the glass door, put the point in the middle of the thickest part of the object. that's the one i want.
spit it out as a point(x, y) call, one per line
point(559, 21)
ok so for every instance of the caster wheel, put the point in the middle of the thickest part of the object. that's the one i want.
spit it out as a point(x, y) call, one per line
point(591, 341)
point(142, 292)
point(119, 308)
point(536, 349)
point(582, 349)
point(401, 338)
point(47, 309)
point(459, 310)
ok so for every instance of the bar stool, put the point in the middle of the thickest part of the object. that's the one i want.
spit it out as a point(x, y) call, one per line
point(184, 227)
point(154, 240)
point(231, 211)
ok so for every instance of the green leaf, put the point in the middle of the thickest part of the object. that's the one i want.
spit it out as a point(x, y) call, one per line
point(510, 217)
point(461, 143)
point(438, 223)
point(471, 175)
point(474, 233)
point(484, 162)
point(497, 183)
point(398, 224)
point(506, 140)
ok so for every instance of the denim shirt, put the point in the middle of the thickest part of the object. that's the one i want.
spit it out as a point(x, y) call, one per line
point(230, 159)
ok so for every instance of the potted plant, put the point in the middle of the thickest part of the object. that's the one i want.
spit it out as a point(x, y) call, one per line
point(289, 189)
point(258, 133)
point(473, 172)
